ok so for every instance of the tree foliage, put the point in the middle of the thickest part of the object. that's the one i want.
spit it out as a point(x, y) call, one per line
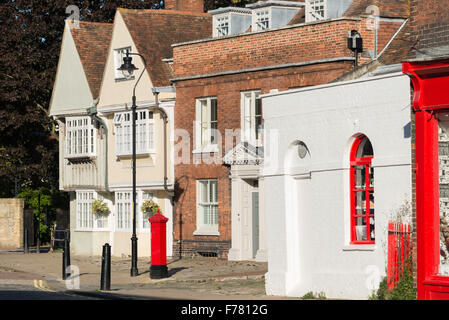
point(31, 33)
point(214, 4)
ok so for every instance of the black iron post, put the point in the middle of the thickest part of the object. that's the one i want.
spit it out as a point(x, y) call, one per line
point(25, 241)
point(106, 268)
point(38, 240)
point(65, 259)
point(134, 270)
point(128, 68)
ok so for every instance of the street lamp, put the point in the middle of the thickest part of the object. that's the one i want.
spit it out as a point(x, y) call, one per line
point(128, 68)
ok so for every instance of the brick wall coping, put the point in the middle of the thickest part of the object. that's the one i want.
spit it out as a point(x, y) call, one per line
point(279, 66)
point(300, 25)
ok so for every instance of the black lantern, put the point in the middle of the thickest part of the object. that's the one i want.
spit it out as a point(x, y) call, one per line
point(127, 68)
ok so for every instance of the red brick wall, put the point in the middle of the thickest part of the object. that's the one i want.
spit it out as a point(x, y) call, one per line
point(386, 31)
point(296, 44)
point(227, 90)
point(185, 5)
point(430, 22)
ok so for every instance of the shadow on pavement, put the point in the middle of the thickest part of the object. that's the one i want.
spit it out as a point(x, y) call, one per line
point(112, 296)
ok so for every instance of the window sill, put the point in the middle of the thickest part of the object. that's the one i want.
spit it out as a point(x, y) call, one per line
point(207, 149)
point(80, 157)
point(206, 232)
point(127, 155)
point(360, 247)
point(124, 79)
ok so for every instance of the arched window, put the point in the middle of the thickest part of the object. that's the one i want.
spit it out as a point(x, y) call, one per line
point(362, 189)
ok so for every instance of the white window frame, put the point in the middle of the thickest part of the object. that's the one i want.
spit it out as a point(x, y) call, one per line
point(118, 61)
point(248, 117)
point(123, 203)
point(204, 228)
point(84, 201)
point(221, 22)
point(203, 125)
point(145, 225)
point(145, 143)
point(257, 15)
point(311, 15)
point(80, 137)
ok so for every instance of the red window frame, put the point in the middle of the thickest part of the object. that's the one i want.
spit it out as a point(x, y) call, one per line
point(354, 163)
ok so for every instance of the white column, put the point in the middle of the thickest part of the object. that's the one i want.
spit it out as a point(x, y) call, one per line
point(261, 254)
point(235, 253)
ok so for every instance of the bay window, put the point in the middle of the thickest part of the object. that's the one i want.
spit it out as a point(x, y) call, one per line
point(85, 219)
point(144, 132)
point(80, 137)
point(362, 192)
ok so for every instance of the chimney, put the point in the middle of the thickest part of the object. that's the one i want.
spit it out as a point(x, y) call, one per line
point(196, 6)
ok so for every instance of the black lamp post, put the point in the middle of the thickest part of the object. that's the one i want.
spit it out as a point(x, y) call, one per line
point(128, 68)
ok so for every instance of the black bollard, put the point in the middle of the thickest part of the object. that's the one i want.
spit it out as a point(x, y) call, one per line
point(25, 242)
point(65, 259)
point(106, 268)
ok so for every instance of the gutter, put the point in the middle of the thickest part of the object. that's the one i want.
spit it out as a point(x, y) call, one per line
point(92, 111)
point(156, 91)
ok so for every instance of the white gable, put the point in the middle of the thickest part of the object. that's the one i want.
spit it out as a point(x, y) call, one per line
point(244, 153)
point(71, 92)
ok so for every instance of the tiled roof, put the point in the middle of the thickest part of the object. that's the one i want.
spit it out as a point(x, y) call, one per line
point(300, 17)
point(154, 31)
point(387, 8)
point(92, 42)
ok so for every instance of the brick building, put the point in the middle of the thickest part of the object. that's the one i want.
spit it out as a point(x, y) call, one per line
point(267, 46)
point(427, 65)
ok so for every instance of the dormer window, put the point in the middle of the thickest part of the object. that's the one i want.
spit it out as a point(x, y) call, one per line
point(315, 10)
point(261, 19)
point(222, 26)
point(230, 20)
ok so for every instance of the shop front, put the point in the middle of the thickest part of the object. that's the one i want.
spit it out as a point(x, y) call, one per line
point(431, 105)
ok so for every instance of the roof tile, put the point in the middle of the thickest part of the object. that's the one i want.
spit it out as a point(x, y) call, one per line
point(92, 42)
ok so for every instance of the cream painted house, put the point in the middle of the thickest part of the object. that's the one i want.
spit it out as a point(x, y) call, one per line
point(92, 104)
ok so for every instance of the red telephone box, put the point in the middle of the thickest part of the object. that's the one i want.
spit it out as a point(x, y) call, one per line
point(158, 268)
point(431, 105)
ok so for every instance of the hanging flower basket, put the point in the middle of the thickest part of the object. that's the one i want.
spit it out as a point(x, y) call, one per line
point(150, 208)
point(100, 208)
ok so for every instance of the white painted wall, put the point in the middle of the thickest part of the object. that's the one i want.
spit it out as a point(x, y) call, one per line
point(308, 205)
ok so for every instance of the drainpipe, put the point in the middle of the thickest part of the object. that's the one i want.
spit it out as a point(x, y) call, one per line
point(92, 111)
point(165, 119)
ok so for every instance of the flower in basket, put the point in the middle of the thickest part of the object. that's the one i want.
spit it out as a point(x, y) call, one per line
point(100, 208)
point(150, 208)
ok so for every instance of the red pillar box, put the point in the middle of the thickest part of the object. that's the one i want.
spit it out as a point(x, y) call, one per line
point(158, 268)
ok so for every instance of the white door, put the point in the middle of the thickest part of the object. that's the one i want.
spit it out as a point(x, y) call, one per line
point(250, 219)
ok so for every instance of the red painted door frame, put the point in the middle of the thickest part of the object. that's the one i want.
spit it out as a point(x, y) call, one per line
point(431, 86)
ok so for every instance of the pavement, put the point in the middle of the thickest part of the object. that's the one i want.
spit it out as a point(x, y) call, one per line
point(197, 278)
